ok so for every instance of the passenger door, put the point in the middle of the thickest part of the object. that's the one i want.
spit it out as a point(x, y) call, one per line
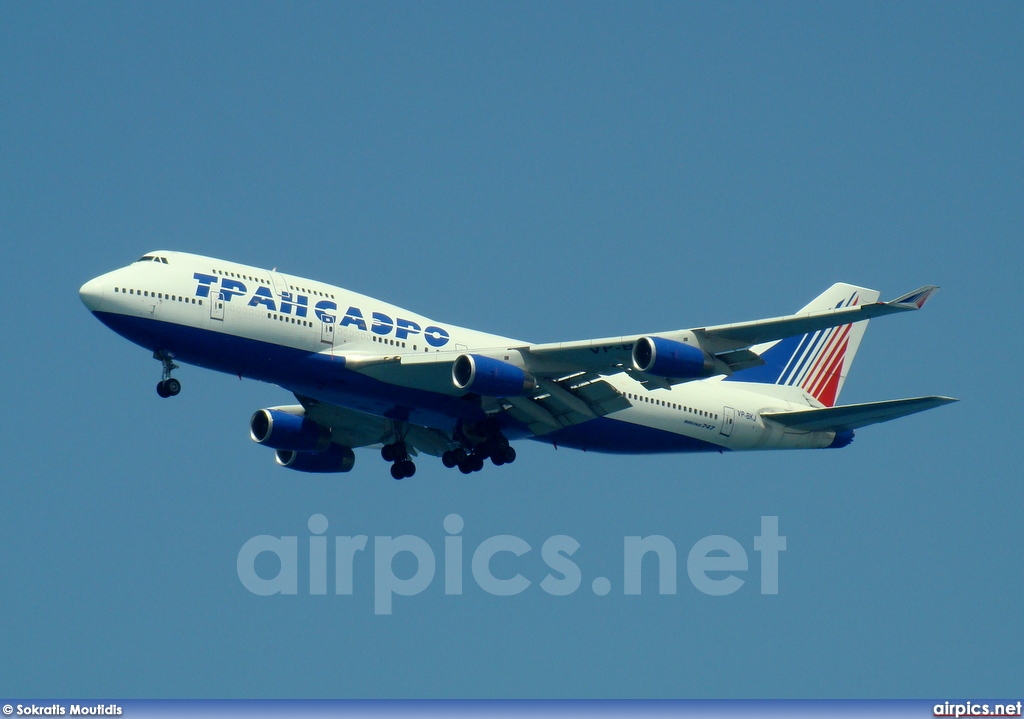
point(728, 420)
point(216, 306)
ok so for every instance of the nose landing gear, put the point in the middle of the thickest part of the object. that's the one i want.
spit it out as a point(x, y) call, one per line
point(167, 386)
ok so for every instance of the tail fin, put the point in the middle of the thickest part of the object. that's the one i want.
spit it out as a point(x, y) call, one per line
point(817, 362)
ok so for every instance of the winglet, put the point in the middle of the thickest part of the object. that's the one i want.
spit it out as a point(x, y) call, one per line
point(917, 298)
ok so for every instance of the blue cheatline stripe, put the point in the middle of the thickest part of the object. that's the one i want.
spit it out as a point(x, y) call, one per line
point(616, 437)
point(316, 375)
point(299, 371)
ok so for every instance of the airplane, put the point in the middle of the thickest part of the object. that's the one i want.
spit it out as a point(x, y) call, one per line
point(366, 373)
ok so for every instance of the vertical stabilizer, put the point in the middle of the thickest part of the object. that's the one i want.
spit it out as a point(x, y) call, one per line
point(817, 362)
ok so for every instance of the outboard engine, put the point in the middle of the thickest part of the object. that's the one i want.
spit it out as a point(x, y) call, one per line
point(670, 359)
point(293, 432)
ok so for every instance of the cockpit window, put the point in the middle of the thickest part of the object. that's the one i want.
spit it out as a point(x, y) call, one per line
point(146, 258)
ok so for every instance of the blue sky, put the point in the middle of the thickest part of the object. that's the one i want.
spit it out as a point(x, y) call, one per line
point(545, 172)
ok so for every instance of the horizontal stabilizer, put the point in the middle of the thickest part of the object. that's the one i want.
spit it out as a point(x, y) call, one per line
point(854, 416)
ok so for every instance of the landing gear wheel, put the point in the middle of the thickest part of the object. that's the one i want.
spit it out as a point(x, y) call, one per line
point(402, 469)
point(161, 389)
point(503, 455)
point(172, 386)
point(387, 453)
point(448, 459)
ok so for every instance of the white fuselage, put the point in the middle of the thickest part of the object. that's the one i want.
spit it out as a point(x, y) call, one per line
point(268, 325)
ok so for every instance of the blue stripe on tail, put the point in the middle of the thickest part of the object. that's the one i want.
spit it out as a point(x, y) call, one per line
point(786, 359)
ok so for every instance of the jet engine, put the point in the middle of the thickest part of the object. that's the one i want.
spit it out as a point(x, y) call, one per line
point(333, 459)
point(491, 377)
point(667, 358)
point(285, 431)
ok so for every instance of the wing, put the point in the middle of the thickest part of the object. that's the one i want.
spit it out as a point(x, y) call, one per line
point(727, 343)
point(351, 428)
point(854, 416)
point(558, 398)
point(563, 382)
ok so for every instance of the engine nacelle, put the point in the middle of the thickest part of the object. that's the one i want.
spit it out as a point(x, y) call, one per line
point(491, 377)
point(668, 358)
point(334, 459)
point(843, 438)
point(292, 432)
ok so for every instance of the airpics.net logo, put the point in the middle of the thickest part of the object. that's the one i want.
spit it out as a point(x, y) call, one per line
point(269, 565)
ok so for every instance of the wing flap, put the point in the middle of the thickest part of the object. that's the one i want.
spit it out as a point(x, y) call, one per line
point(572, 400)
point(352, 428)
point(854, 416)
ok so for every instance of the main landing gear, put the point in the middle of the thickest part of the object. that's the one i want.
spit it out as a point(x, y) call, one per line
point(167, 386)
point(397, 453)
point(497, 450)
point(493, 445)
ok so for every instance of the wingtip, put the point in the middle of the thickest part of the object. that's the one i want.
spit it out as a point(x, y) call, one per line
point(917, 298)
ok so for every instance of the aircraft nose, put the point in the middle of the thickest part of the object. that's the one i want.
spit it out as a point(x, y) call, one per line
point(91, 293)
